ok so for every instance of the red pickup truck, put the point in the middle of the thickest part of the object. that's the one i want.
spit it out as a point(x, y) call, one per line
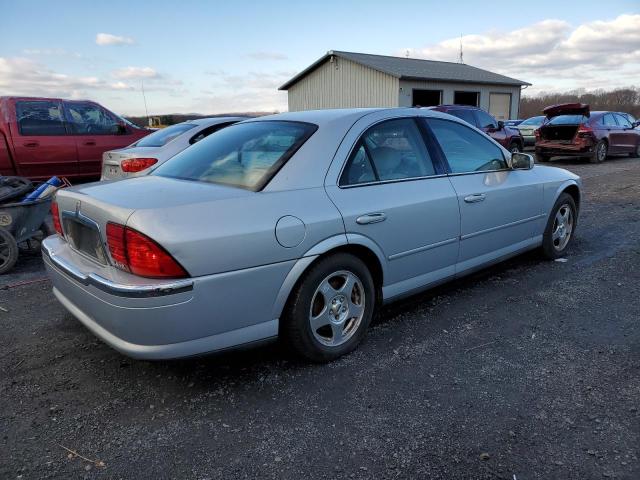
point(43, 137)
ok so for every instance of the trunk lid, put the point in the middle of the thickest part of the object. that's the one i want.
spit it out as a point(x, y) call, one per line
point(567, 109)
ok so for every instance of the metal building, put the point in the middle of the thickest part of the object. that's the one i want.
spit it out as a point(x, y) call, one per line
point(346, 79)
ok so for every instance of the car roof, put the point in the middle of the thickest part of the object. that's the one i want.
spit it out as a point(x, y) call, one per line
point(207, 121)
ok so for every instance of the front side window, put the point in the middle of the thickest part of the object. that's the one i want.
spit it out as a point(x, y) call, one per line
point(623, 121)
point(485, 120)
point(40, 117)
point(90, 119)
point(245, 155)
point(391, 150)
point(163, 136)
point(466, 150)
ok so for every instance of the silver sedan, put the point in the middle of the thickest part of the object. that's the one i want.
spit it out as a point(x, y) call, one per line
point(155, 149)
point(298, 226)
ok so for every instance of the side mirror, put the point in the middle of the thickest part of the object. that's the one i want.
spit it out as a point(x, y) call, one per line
point(522, 161)
point(635, 124)
point(120, 129)
point(500, 124)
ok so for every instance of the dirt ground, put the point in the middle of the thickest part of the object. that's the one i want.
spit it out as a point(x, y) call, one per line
point(528, 370)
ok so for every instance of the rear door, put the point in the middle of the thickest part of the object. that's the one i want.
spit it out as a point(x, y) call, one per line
point(41, 142)
point(393, 193)
point(614, 132)
point(501, 209)
point(95, 131)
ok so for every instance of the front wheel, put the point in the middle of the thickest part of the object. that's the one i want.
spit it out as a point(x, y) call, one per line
point(8, 251)
point(560, 228)
point(330, 310)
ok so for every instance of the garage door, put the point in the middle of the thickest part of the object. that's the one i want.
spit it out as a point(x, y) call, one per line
point(500, 105)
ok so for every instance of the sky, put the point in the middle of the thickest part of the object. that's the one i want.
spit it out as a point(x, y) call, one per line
point(224, 56)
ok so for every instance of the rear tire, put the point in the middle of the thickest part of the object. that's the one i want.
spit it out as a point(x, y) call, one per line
point(8, 251)
point(330, 309)
point(560, 228)
point(599, 153)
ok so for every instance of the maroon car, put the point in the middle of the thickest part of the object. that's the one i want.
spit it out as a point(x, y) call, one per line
point(571, 129)
point(43, 137)
point(509, 137)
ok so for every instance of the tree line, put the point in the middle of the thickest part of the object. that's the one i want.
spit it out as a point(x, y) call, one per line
point(618, 100)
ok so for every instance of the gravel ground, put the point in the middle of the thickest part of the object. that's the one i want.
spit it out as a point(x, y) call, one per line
point(528, 370)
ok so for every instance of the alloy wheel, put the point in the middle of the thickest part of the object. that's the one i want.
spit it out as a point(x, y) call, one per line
point(562, 227)
point(602, 152)
point(337, 308)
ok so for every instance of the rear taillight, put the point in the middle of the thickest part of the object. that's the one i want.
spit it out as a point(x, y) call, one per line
point(134, 252)
point(132, 165)
point(55, 213)
point(585, 131)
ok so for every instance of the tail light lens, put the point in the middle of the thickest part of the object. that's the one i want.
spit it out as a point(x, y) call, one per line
point(585, 131)
point(134, 252)
point(55, 213)
point(132, 165)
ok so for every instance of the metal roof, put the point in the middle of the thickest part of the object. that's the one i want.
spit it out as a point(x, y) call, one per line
point(413, 69)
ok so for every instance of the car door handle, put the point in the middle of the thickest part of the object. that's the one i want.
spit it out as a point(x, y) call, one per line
point(31, 144)
point(371, 218)
point(475, 198)
point(89, 143)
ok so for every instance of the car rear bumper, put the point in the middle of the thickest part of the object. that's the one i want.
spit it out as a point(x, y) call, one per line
point(565, 150)
point(158, 319)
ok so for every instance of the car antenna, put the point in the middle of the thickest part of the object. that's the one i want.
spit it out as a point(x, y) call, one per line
point(146, 111)
point(461, 55)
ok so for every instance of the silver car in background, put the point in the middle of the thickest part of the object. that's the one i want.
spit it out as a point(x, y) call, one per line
point(153, 150)
point(298, 226)
point(528, 127)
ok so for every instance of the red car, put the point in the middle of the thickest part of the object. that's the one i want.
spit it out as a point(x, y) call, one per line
point(43, 137)
point(509, 137)
point(571, 129)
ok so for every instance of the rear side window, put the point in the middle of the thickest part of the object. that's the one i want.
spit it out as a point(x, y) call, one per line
point(90, 119)
point(40, 117)
point(466, 150)
point(608, 120)
point(163, 136)
point(245, 155)
point(466, 115)
point(568, 120)
point(391, 150)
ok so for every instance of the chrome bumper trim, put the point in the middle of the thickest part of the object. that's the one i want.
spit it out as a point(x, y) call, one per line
point(132, 291)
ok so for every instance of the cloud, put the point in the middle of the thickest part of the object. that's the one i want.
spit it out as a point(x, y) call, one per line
point(103, 39)
point(135, 73)
point(267, 56)
point(553, 53)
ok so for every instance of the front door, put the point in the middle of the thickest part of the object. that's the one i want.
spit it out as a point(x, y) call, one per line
point(629, 137)
point(501, 209)
point(41, 144)
point(390, 192)
point(95, 131)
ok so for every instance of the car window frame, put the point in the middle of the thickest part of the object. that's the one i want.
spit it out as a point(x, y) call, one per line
point(214, 128)
point(615, 117)
point(478, 132)
point(439, 168)
point(65, 124)
point(67, 104)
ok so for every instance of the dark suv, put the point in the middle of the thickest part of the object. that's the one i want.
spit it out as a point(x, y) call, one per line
point(509, 137)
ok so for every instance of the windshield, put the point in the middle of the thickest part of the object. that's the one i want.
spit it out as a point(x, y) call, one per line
point(568, 120)
point(533, 121)
point(161, 137)
point(244, 155)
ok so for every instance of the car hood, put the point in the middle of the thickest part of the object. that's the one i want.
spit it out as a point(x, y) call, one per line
point(567, 109)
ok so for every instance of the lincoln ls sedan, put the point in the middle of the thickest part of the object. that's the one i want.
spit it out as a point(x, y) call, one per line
point(298, 226)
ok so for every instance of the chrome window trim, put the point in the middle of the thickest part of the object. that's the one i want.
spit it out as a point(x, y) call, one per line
point(395, 180)
point(117, 289)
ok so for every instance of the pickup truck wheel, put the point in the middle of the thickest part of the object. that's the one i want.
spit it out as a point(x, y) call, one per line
point(599, 153)
point(328, 313)
point(542, 158)
point(560, 228)
point(8, 251)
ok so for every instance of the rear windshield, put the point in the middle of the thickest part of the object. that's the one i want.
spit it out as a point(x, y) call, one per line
point(568, 120)
point(243, 155)
point(533, 121)
point(163, 136)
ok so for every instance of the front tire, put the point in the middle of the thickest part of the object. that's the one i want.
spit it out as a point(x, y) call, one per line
point(329, 311)
point(560, 228)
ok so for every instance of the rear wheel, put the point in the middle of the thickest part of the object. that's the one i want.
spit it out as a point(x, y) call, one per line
point(599, 153)
point(560, 228)
point(330, 310)
point(8, 251)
